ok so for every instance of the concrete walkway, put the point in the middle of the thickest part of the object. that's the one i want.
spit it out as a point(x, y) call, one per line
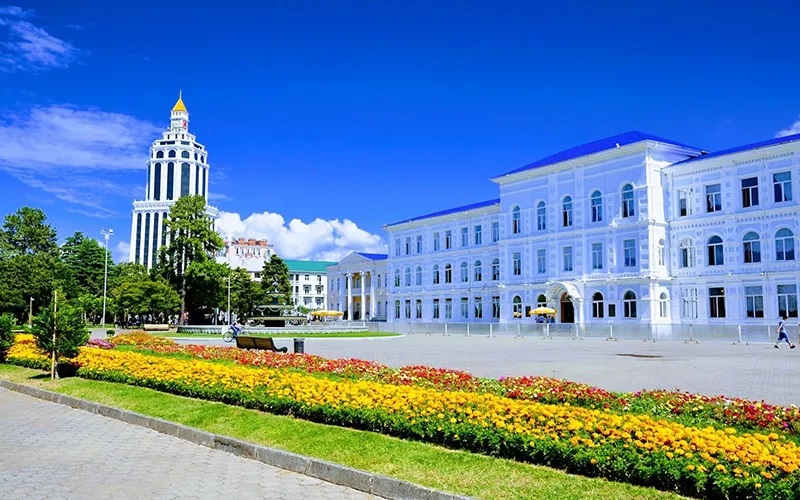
point(52, 451)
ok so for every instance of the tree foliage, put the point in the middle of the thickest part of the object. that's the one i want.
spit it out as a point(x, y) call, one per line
point(70, 329)
point(26, 232)
point(85, 260)
point(6, 335)
point(275, 281)
point(206, 287)
point(245, 294)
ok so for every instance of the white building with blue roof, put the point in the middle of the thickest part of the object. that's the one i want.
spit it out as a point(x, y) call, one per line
point(357, 286)
point(631, 228)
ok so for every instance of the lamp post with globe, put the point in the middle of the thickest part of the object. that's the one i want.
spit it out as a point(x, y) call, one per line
point(106, 235)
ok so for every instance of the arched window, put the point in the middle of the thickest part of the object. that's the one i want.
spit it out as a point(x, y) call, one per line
point(172, 153)
point(598, 305)
point(517, 306)
point(478, 271)
point(784, 244)
point(157, 181)
point(516, 220)
point(566, 211)
point(195, 157)
point(541, 216)
point(464, 272)
point(687, 253)
point(418, 280)
point(663, 305)
point(752, 248)
point(662, 252)
point(715, 252)
point(408, 277)
point(185, 154)
point(448, 273)
point(597, 207)
point(170, 181)
point(184, 179)
point(202, 159)
point(629, 304)
point(436, 274)
point(396, 278)
point(495, 269)
point(541, 300)
point(159, 154)
point(627, 201)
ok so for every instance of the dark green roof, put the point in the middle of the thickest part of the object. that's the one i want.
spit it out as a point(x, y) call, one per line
point(308, 266)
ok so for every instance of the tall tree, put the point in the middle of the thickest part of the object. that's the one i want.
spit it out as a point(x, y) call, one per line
point(245, 294)
point(26, 232)
point(275, 280)
point(206, 287)
point(192, 239)
point(86, 259)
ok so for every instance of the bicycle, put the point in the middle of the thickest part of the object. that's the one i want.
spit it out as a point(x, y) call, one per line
point(230, 334)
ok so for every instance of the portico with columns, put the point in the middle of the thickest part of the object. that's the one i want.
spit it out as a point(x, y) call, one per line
point(357, 287)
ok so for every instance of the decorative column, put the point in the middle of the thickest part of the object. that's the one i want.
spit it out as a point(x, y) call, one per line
point(371, 295)
point(341, 282)
point(349, 307)
point(363, 303)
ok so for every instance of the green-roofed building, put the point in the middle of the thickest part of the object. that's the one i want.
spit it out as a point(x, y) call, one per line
point(309, 279)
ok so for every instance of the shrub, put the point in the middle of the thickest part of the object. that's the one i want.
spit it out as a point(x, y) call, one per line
point(6, 336)
point(110, 332)
point(70, 331)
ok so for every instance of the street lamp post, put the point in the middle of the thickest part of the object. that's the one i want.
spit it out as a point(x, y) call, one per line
point(30, 313)
point(106, 235)
point(230, 272)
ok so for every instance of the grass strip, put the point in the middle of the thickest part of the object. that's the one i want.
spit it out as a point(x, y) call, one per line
point(454, 471)
point(305, 335)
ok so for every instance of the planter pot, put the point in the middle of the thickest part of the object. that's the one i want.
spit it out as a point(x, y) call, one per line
point(66, 370)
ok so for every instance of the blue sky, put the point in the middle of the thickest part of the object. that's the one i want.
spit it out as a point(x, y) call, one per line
point(326, 120)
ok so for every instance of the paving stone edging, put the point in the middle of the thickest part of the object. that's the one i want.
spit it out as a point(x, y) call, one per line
point(367, 482)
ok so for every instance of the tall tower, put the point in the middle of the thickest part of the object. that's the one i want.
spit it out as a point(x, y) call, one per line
point(178, 166)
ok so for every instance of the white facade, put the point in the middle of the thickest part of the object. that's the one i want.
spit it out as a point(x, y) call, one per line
point(310, 283)
point(595, 232)
point(359, 287)
point(178, 166)
point(248, 254)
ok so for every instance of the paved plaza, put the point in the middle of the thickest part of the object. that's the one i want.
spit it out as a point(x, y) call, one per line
point(52, 451)
point(755, 371)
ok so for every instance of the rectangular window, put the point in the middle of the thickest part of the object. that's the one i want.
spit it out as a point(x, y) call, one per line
point(629, 250)
point(787, 301)
point(612, 310)
point(496, 307)
point(419, 243)
point(478, 303)
point(419, 309)
point(435, 314)
point(408, 309)
point(448, 308)
point(516, 258)
point(754, 301)
point(495, 270)
point(436, 241)
point(684, 202)
point(750, 192)
point(567, 255)
point(448, 240)
point(464, 308)
point(597, 256)
point(782, 186)
point(713, 198)
point(716, 302)
point(408, 245)
point(541, 261)
point(397, 247)
point(397, 309)
point(464, 237)
point(478, 235)
point(495, 232)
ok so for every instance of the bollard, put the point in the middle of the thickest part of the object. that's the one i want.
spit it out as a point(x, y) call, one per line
point(519, 331)
point(547, 331)
point(299, 346)
point(491, 333)
point(445, 329)
point(611, 332)
point(467, 335)
point(739, 328)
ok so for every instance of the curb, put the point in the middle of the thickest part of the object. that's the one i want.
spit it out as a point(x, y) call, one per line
point(367, 482)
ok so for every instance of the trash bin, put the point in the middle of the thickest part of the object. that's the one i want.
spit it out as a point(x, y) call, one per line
point(299, 346)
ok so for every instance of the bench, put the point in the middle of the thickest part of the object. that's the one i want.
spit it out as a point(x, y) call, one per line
point(259, 343)
point(154, 327)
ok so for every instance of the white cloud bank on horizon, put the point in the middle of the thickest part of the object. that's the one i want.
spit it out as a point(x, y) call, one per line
point(793, 129)
point(27, 47)
point(62, 149)
point(318, 240)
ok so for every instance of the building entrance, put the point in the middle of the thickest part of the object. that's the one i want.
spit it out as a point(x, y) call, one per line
point(567, 309)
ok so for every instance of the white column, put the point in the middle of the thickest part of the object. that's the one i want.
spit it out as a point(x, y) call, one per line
point(132, 243)
point(349, 307)
point(372, 297)
point(144, 235)
point(341, 281)
point(363, 303)
point(158, 232)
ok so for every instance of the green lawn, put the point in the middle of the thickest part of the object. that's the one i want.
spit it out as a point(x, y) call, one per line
point(306, 335)
point(427, 465)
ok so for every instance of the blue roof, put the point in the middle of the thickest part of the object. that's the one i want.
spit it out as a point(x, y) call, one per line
point(374, 256)
point(481, 204)
point(746, 147)
point(596, 146)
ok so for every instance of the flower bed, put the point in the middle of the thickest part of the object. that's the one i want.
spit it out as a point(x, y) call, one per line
point(638, 449)
point(25, 352)
point(141, 339)
point(724, 411)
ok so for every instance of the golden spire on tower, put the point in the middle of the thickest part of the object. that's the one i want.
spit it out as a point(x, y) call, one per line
point(180, 106)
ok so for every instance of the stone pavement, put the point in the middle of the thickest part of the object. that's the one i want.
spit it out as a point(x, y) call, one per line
point(755, 371)
point(52, 451)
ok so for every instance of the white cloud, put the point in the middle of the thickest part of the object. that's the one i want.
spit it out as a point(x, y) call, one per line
point(121, 252)
point(47, 146)
point(317, 240)
point(26, 47)
point(793, 129)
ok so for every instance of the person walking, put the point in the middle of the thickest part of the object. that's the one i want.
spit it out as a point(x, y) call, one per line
point(782, 335)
